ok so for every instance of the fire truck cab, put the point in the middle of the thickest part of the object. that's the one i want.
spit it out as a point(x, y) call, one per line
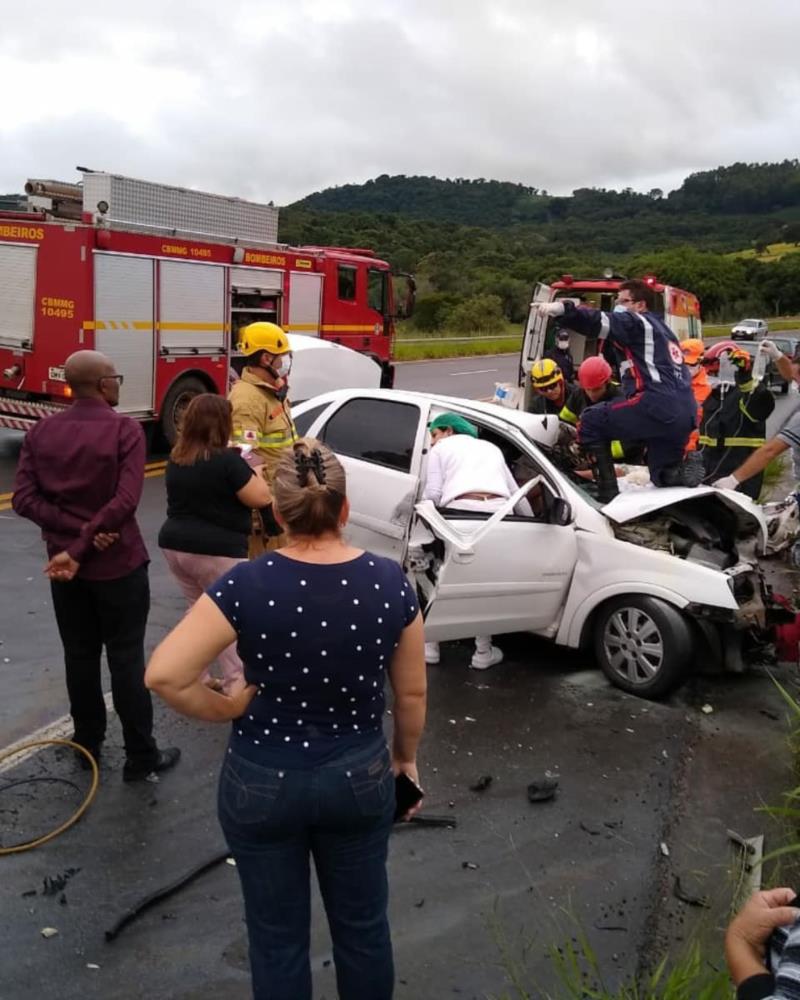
point(680, 310)
point(161, 279)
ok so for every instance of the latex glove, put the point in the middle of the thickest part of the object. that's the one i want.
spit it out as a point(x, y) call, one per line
point(550, 308)
point(770, 348)
point(726, 483)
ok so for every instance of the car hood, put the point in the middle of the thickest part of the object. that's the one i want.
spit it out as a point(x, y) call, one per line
point(629, 506)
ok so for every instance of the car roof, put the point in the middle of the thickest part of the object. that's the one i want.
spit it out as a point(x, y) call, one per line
point(539, 428)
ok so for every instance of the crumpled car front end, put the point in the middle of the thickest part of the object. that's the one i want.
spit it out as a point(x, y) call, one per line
point(723, 531)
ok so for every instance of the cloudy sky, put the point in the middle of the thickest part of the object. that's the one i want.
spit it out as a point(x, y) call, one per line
point(269, 100)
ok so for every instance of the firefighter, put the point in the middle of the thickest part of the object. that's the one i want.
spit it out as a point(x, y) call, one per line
point(734, 421)
point(693, 353)
point(549, 388)
point(658, 408)
point(262, 419)
point(596, 385)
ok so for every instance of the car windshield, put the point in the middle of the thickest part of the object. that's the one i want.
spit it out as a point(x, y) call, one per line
point(749, 322)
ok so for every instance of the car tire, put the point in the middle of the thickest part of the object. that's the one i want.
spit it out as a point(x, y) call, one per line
point(175, 402)
point(653, 673)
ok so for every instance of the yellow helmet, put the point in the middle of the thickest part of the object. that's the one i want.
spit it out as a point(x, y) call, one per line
point(263, 337)
point(545, 372)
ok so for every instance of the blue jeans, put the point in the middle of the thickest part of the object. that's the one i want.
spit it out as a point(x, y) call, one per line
point(275, 820)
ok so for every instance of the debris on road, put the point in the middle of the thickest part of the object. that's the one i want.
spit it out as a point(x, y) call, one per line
point(48, 932)
point(707, 709)
point(56, 884)
point(481, 784)
point(425, 820)
point(593, 831)
point(542, 790)
point(664, 849)
point(153, 897)
point(469, 864)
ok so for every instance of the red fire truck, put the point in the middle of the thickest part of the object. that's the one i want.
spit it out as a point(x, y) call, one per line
point(161, 279)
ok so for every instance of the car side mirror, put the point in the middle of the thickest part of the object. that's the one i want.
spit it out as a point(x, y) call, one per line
point(560, 512)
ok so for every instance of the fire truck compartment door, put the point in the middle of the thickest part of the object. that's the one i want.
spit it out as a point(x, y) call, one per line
point(305, 303)
point(17, 293)
point(191, 316)
point(123, 309)
point(256, 279)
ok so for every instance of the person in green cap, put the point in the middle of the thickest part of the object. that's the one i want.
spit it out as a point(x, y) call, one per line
point(467, 473)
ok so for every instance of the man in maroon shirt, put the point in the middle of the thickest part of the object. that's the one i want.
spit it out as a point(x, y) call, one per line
point(80, 477)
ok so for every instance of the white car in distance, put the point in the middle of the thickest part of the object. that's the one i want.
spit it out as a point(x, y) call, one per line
point(654, 582)
point(750, 329)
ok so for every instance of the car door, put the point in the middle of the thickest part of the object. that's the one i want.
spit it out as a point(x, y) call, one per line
point(379, 442)
point(504, 574)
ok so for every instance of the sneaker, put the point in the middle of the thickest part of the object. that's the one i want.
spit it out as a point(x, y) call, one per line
point(482, 661)
point(165, 759)
point(432, 652)
point(692, 471)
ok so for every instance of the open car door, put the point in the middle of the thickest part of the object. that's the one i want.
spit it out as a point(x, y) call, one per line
point(504, 574)
point(379, 441)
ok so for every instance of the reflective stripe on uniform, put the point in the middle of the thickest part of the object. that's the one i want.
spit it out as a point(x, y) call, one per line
point(568, 416)
point(649, 349)
point(706, 440)
point(275, 439)
point(617, 451)
point(737, 442)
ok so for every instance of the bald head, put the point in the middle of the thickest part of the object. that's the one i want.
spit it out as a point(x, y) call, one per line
point(91, 375)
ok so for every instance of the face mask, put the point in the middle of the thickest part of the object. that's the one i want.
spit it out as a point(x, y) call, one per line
point(562, 345)
point(620, 308)
point(283, 365)
point(694, 369)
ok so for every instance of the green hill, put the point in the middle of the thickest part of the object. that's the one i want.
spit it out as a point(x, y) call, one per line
point(477, 246)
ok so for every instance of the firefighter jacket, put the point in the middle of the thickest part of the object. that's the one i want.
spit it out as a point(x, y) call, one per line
point(261, 420)
point(734, 424)
point(576, 403)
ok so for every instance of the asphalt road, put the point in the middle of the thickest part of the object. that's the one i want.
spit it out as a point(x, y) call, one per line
point(632, 775)
point(470, 378)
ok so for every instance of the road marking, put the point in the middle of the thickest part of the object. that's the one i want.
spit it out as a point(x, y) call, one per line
point(58, 730)
point(475, 371)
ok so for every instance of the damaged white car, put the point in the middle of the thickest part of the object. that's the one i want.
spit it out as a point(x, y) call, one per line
point(655, 582)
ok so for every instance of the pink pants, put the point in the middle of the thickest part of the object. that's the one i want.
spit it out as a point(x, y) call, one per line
point(195, 573)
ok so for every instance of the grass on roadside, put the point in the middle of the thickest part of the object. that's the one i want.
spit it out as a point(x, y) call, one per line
point(689, 977)
point(772, 476)
point(462, 349)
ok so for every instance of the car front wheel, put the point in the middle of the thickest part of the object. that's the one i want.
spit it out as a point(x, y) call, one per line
point(643, 645)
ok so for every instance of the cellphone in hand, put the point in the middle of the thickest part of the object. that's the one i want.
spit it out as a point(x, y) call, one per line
point(407, 794)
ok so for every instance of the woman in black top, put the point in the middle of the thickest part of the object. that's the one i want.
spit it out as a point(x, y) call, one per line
point(210, 493)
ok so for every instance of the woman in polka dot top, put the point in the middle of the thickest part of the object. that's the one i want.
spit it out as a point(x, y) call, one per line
point(319, 626)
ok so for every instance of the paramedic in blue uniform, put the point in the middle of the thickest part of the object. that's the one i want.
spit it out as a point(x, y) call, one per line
point(659, 408)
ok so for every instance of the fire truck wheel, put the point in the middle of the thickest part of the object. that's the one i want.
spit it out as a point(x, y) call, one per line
point(176, 401)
